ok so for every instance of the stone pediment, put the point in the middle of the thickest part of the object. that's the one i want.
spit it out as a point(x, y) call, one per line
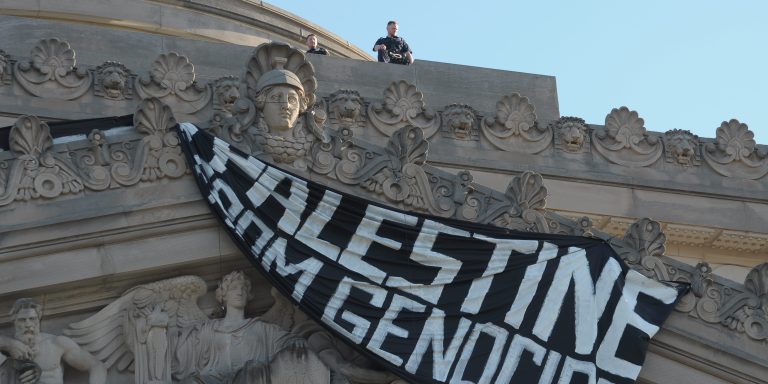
point(381, 147)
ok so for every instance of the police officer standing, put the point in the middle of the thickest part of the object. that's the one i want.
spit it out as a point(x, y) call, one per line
point(393, 49)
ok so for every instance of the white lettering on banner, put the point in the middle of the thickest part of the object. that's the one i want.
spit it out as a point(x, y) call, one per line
point(387, 327)
point(451, 323)
point(571, 366)
point(590, 299)
point(365, 235)
point(309, 232)
point(294, 204)
point(275, 257)
point(553, 359)
point(498, 262)
point(245, 221)
point(434, 335)
point(625, 315)
point(494, 356)
point(515, 352)
point(423, 254)
point(529, 285)
point(235, 207)
point(360, 325)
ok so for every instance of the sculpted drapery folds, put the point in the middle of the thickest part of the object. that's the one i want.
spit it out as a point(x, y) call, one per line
point(159, 332)
point(236, 349)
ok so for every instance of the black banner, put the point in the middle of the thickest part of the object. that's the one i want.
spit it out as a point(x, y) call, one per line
point(435, 300)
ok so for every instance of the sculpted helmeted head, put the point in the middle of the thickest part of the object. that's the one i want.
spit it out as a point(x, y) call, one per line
point(460, 119)
point(280, 98)
point(234, 290)
point(26, 314)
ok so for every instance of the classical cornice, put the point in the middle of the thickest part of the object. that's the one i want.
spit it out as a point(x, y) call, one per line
point(388, 161)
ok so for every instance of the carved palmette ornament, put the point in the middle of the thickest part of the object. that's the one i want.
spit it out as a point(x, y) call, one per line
point(36, 171)
point(399, 175)
point(735, 153)
point(625, 141)
point(528, 197)
point(645, 242)
point(51, 72)
point(514, 127)
point(403, 106)
point(172, 80)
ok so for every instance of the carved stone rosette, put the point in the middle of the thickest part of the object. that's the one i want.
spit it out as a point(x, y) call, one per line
point(514, 128)
point(735, 153)
point(172, 80)
point(459, 122)
point(571, 134)
point(36, 171)
point(51, 72)
point(403, 106)
point(682, 147)
point(625, 141)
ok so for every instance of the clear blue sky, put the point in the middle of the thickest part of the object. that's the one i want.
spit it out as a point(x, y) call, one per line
point(680, 63)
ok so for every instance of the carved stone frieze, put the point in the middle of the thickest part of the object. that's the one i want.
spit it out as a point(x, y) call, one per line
point(51, 72)
point(682, 147)
point(527, 195)
point(514, 127)
point(403, 106)
point(114, 81)
point(571, 134)
point(735, 153)
point(346, 110)
point(36, 171)
point(625, 141)
point(460, 122)
point(157, 155)
point(6, 65)
point(398, 174)
point(172, 80)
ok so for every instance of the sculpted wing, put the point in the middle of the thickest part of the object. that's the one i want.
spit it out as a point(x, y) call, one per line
point(113, 334)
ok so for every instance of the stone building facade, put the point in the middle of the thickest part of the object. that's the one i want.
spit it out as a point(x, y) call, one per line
point(94, 222)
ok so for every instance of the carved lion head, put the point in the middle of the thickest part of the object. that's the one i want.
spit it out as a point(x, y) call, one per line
point(227, 92)
point(460, 119)
point(112, 76)
point(572, 132)
point(681, 145)
point(346, 105)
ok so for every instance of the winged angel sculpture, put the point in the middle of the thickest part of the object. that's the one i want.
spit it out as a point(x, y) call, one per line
point(159, 332)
